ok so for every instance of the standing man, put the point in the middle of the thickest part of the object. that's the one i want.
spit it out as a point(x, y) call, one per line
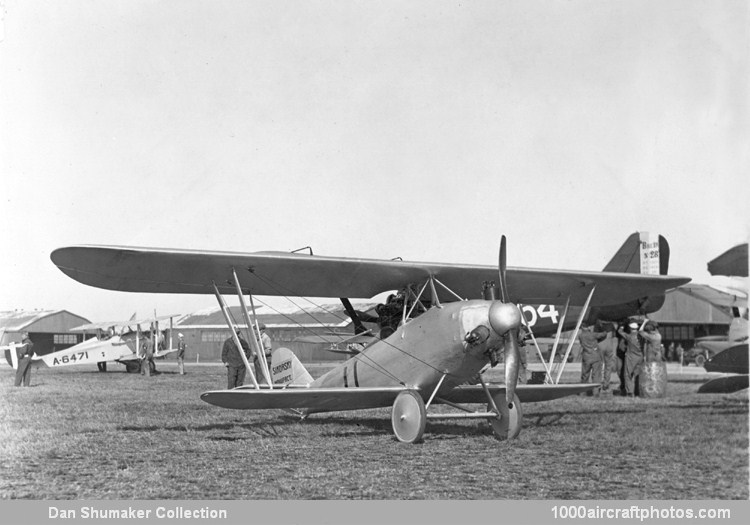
point(265, 344)
point(147, 361)
point(230, 356)
point(633, 357)
point(181, 354)
point(23, 374)
point(608, 348)
point(591, 357)
point(652, 339)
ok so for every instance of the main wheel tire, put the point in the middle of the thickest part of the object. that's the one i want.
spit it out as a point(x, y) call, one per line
point(700, 360)
point(408, 417)
point(507, 424)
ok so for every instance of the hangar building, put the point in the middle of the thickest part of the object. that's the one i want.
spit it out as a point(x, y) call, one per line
point(48, 329)
point(205, 331)
point(696, 310)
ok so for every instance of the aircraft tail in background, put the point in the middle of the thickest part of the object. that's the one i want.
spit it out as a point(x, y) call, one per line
point(642, 252)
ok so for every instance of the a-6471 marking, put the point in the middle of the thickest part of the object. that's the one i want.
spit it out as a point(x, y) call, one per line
point(67, 359)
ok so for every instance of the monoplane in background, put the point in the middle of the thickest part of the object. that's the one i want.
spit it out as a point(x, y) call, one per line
point(445, 325)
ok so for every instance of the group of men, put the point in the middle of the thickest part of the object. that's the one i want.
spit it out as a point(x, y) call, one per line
point(622, 349)
point(232, 359)
point(147, 364)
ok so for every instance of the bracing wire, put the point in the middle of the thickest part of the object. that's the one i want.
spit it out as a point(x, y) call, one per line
point(282, 292)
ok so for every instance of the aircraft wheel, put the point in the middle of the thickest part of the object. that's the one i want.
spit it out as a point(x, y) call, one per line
point(408, 417)
point(700, 360)
point(132, 368)
point(507, 424)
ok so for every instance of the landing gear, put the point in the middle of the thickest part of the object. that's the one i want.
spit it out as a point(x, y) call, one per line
point(408, 417)
point(507, 424)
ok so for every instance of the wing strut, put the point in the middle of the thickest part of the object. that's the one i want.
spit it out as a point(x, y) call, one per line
point(572, 340)
point(547, 371)
point(232, 330)
point(254, 343)
point(553, 353)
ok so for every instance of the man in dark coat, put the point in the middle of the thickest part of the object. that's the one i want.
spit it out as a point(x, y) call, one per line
point(181, 346)
point(232, 359)
point(25, 351)
point(591, 356)
point(633, 356)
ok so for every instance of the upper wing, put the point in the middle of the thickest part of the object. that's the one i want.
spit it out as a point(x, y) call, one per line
point(119, 324)
point(271, 273)
point(314, 399)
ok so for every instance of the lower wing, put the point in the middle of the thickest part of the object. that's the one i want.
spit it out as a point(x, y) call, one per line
point(313, 399)
point(334, 399)
point(526, 393)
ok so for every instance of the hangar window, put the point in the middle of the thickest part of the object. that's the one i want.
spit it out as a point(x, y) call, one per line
point(65, 339)
point(214, 336)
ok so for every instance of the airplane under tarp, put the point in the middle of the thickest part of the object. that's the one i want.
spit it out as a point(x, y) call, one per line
point(731, 263)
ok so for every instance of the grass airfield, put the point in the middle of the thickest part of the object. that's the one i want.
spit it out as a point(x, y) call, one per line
point(80, 434)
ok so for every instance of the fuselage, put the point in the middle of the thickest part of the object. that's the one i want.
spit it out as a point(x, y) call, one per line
point(420, 352)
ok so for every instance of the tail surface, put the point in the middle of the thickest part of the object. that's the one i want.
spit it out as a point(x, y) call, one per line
point(287, 370)
point(642, 252)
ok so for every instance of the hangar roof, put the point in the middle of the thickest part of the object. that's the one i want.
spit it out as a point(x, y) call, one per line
point(52, 321)
point(331, 315)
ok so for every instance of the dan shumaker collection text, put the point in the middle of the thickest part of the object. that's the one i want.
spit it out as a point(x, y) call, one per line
point(169, 513)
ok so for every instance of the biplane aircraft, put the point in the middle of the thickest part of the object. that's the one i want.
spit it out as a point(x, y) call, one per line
point(118, 341)
point(455, 321)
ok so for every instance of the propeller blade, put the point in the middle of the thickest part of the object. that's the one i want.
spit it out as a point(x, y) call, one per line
point(512, 364)
point(358, 326)
point(501, 269)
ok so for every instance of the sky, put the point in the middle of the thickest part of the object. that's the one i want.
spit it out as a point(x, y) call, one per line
point(415, 129)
